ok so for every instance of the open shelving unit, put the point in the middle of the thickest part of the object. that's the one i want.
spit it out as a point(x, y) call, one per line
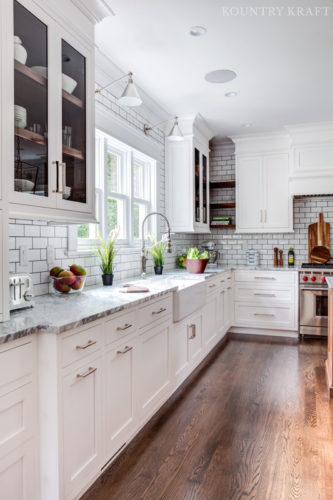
point(216, 206)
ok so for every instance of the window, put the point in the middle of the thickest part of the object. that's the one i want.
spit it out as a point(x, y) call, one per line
point(125, 191)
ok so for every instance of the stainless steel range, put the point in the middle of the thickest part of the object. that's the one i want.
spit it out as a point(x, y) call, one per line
point(313, 299)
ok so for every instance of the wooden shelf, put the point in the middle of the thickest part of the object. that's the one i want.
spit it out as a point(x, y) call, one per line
point(75, 153)
point(222, 205)
point(222, 185)
point(36, 77)
point(223, 226)
point(30, 73)
point(28, 135)
point(72, 99)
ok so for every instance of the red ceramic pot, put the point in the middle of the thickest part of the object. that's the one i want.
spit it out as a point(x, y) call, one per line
point(196, 266)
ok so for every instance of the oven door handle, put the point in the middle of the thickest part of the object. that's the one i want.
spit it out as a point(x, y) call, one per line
point(313, 289)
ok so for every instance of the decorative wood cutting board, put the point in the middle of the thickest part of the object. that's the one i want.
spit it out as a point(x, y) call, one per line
point(313, 236)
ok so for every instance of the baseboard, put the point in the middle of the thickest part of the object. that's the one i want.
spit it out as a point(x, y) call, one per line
point(263, 331)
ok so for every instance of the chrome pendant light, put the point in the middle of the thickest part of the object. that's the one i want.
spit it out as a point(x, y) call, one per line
point(175, 133)
point(130, 97)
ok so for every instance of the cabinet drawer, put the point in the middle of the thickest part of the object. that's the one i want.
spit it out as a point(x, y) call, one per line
point(16, 418)
point(80, 344)
point(264, 317)
point(264, 295)
point(265, 277)
point(117, 328)
point(16, 363)
point(155, 311)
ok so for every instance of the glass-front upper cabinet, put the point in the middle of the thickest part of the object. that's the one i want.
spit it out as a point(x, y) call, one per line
point(197, 190)
point(205, 187)
point(30, 103)
point(74, 178)
point(53, 116)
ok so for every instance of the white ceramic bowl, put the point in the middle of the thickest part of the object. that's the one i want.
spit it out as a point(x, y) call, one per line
point(68, 83)
point(23, 185)
point(41, 70)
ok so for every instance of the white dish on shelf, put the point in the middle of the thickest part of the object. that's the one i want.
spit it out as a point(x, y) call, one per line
point(20, 52)
point(67, 192)
point(20, 115)
point(41, 70)
point(23, 185)
point(68, 84)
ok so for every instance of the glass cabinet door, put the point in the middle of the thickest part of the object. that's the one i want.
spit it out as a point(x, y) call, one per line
point(30, 103)
point(73, 172)
point(197, 184)
point(205, 188)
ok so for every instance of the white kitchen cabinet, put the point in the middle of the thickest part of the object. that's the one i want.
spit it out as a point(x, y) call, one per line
point(210, 322)
point(82, 424)
point(51, 142)
point(17, 474)
point(154, 372)
point(263, 203)
point(4, 260)
point(120, 394)
point(187, 178)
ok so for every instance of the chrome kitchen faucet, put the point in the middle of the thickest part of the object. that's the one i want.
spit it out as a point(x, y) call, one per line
point(143, 250)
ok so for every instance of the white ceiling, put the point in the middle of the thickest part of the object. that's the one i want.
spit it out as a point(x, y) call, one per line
point(284, 64)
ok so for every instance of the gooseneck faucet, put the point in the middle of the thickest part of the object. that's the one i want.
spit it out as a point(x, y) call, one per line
point(143, 249)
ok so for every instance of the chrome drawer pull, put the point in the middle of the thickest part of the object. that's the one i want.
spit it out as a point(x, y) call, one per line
point(212, 286)
point(88, 344)
point(159, 311)
point(265, 294)
point(193, 334)
point(125, 350)
point(125, 327)
point(263, 314)
point(264, 278)
point(85, 374)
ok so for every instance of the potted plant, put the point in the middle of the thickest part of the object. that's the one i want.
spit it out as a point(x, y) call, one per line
point(106, 252)
point(157, 250)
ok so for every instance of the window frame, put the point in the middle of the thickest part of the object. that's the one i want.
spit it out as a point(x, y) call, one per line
point(107, 144)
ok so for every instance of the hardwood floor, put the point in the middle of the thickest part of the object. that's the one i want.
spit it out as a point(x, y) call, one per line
point(255, 423)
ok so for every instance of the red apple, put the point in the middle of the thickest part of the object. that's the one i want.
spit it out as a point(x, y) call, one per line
point(78, 284)
point(61, 287)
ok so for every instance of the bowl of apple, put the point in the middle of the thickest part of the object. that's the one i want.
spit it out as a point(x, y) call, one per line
point(65, 281)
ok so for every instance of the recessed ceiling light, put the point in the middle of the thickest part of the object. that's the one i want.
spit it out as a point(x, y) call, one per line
point(197, 31)
point(231, 94)
point(220, 76)
point(247, 125)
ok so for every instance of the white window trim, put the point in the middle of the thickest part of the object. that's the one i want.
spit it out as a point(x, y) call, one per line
point(129, 155)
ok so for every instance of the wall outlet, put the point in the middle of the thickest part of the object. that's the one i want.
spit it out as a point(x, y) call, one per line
point(50, 255)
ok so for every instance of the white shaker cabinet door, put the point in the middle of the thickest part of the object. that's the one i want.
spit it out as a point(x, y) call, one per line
point(17, 474)
point(278, 203)
point(209, 322)
point(82, 425)
point(154, 368)
point(120, 375)
point(250, 196)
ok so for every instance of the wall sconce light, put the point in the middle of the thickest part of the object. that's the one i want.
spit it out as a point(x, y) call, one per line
point(130, 96)
point(175, 133)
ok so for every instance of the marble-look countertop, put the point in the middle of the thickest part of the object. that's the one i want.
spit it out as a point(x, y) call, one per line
point(329, 281)
point(59, 313)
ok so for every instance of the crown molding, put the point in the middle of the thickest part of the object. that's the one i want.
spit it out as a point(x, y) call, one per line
point(94, 10)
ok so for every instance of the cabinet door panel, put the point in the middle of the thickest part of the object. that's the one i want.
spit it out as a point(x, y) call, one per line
point(195, 340)
point(209, 325)
point(154, 379)
point(82, 425)
point(277, 200)
point(181, 353)
point(17, 474)
point(120, 394)
point(250, 201)
point(220, 312)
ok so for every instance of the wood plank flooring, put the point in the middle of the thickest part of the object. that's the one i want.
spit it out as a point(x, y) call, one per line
point(254, 423)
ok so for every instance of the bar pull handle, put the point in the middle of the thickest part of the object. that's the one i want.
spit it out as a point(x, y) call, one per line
point(56, 163)
point(85, 346)
point(192, 328)
point(125, 350)
point(264, 314)
point(87, 373)
point(163, 309)
point(265, 294)
point(125, 327)
point(63, 177)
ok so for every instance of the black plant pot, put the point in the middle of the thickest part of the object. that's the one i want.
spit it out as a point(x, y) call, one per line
point(107, 279)
point(158, 269)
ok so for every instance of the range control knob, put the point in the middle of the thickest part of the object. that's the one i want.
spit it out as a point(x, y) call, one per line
point(305, 278)
point(323, 279)
point(313, 278)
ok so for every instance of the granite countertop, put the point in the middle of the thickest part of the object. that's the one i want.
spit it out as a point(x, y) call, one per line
point(329, 281)
point(59, 313)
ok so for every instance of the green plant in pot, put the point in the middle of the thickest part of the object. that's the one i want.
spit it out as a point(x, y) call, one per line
point(106, 252)
point(157, 250)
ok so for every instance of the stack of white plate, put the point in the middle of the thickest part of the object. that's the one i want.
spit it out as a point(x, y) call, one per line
point(20, 115)
point(67, 192)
